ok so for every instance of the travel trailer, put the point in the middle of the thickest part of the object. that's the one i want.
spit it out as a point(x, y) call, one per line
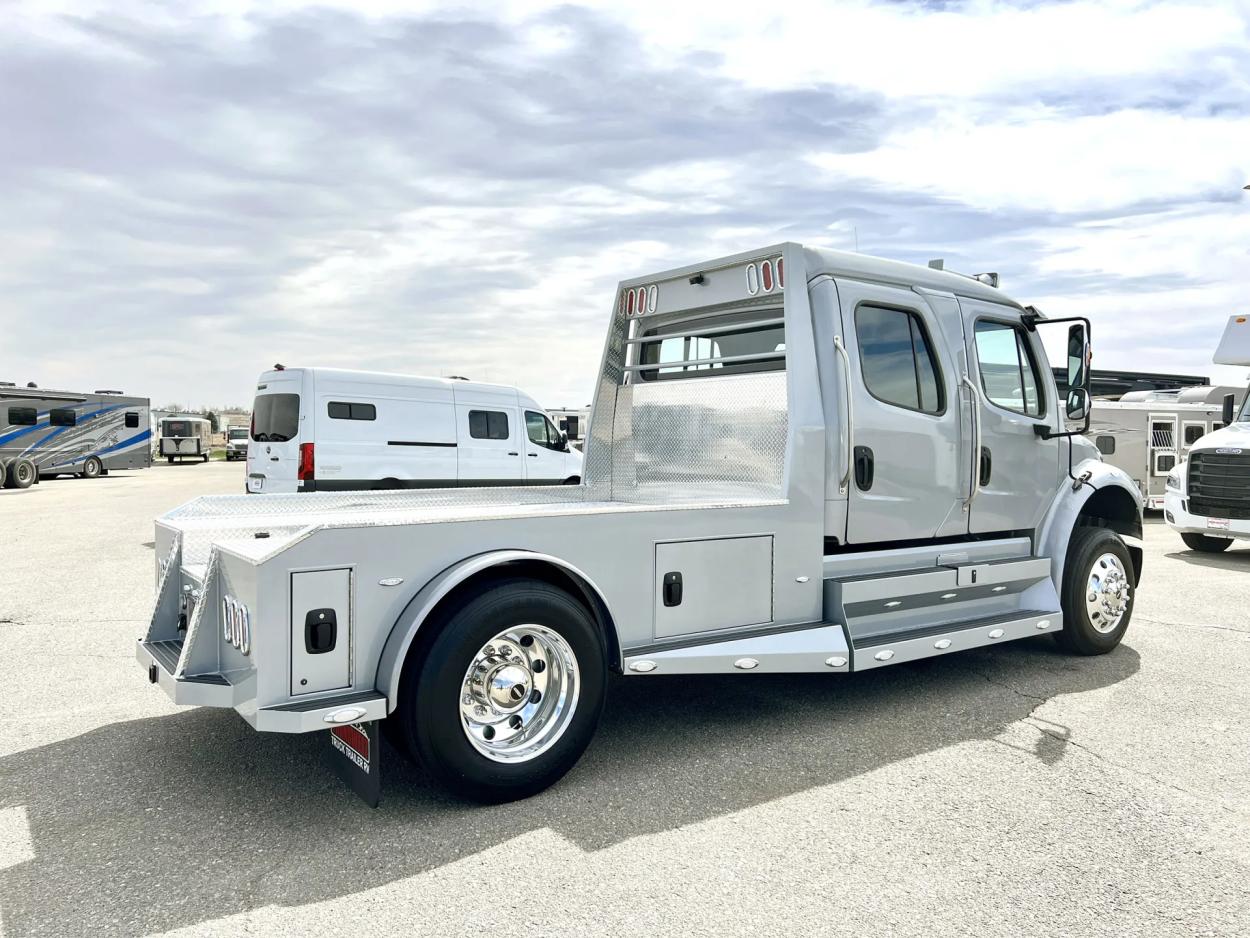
point(45, 433)
point(332, 430)
point(1146, 433)
point(1207, 496)
point(572, 422)
point(185, 437)
point(801, 460)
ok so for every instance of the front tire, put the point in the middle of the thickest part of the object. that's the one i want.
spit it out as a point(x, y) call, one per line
point(1098, 592)
point(92, 468)
point(1206, 543)
point(506, 697)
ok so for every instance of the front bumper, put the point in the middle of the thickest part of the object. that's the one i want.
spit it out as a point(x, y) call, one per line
point(1179, 519)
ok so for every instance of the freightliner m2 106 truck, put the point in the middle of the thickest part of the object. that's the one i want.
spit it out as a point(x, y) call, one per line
point(799, 460)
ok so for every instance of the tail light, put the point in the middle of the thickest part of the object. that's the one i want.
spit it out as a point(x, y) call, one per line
point(252, 434)
point(306, 465)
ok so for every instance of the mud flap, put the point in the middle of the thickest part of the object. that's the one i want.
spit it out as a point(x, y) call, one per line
point(357, 758)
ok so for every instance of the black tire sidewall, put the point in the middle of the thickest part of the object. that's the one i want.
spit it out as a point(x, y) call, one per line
point(432, 687)
point(1079, 634)
point(1206, 543)
point(15, 471)
point(87, 467)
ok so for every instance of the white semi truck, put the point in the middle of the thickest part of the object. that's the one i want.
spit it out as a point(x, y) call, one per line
point(1207, 499)
point(800, 460)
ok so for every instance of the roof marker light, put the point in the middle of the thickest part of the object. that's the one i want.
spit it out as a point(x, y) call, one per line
point(766, 276)
point(653, 295)
point(781, 273)
point(753, 280)
point(629, 302)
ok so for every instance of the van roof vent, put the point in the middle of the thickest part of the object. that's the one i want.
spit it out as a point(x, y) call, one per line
point(106, 391)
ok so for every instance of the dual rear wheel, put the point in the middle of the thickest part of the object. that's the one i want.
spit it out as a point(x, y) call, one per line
point(19, 473)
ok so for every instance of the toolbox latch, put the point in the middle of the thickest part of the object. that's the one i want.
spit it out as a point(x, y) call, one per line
point(321, 631)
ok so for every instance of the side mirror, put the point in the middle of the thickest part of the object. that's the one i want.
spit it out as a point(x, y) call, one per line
point(1078, 359)
point(1228, 409)
point(1077, 406)
point(564, 442)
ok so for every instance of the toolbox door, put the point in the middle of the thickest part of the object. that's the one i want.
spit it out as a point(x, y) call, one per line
point(708, 585)
point(320, 631)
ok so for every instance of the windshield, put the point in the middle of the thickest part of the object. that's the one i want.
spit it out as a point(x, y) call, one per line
point(238, 433)
point(1243, 415)
point(177, 428)
point(275, 418)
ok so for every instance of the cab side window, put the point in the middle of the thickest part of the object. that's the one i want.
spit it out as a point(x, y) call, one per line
point(1009, 371)
point(897, 361)
point(540, 430)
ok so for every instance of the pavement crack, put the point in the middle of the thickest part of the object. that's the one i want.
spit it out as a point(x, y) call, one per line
point(1190, 625)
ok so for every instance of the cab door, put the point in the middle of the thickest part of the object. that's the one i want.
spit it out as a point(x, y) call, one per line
point(905, 480)
point(1019, 468)
point(545, 455)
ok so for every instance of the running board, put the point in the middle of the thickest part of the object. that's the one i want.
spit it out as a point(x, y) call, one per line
point(820, 647)
point(958, 636)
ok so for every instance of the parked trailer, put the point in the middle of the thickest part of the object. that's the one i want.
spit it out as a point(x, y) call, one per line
point(800, 460)
point(186, 437)
point(45, 433)
point(1146, 433)
point(1207, 499)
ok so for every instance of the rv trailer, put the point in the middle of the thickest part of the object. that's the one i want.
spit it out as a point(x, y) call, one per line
point(1146, 433)
point(45, 433)
point(185, 437)
point(800, 460)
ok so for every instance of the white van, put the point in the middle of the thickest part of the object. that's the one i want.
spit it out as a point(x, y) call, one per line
point(331, 430)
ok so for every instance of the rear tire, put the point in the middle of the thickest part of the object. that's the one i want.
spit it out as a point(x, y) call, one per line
point(4, 476)
point(204, 457)
point(22, 473)
point(1206, 543)
point(1098, 592)
point(171, 459)
point(92, 468)
point(525, 641)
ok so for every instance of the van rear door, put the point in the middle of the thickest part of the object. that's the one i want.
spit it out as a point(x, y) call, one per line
point(273, 454)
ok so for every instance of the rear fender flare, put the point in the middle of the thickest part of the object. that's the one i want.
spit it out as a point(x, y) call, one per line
point(419, 608)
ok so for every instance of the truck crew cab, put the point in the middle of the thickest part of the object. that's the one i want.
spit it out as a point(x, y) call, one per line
point(799, 460)
point(1207, 499)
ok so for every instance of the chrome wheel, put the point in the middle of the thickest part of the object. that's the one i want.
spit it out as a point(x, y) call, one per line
point(1106, 593)
point(519, 693)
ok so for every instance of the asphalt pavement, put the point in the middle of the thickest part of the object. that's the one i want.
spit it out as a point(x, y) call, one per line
point(1005, 791)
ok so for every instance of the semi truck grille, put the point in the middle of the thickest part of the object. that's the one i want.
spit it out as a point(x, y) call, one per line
point(1219, 485)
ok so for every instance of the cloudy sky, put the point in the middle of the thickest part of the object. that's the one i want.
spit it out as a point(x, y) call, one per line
point(191, 192)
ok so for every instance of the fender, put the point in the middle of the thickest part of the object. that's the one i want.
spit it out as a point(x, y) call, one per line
point(1061, 519)
point(395, 652)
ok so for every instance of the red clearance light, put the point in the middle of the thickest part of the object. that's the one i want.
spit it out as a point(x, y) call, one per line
point(307, 466)
point(781, 273)
point(766, 276)
point(629, 302)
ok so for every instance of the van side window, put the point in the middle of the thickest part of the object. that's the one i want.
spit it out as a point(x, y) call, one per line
point(1009, 372)
point(132, 421)
point(488, 425)
point(64, 417)
point(897, 360)
point(339, 410)
point(23, 416)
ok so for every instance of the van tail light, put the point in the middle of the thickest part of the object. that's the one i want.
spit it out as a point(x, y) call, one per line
point(252, 434)
point(306, 465)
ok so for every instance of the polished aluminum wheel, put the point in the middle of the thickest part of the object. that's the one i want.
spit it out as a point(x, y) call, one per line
point(1107, 593)
point(519, 693)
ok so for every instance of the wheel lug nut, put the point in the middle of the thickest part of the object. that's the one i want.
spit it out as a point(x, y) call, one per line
point(505, 650)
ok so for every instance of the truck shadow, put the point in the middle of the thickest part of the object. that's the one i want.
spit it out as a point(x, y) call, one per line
point(158, 823)
point(1232, 559)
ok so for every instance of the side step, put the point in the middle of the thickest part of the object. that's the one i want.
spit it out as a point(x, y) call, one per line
point(306, 716)
point(817, 647)
point(959, 636)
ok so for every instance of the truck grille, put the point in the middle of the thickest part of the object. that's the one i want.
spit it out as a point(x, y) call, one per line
point(1219, 485)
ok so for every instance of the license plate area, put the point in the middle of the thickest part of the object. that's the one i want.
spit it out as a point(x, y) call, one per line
point(1217, 524)
point(255, 483)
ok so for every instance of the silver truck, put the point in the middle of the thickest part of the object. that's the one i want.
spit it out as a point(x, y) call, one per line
point(799, 460)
